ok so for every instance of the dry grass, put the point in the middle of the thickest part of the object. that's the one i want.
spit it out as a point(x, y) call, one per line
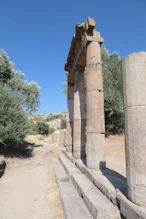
point(54, 197)
point(115, 145)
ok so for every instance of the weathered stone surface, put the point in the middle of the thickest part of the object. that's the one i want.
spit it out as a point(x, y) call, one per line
point(128, 209)
point(68, 165)
point(99, 206)
point(134, 79)
point(135, 132)
point(94, 74)
point(95, 151)
point(69, 131)
point(134, 84)
point(59, 170)
point(79, 139)
point(95, 108)
point(95, 112)
point(73, 206)
point(69, 137)
point(100, 181)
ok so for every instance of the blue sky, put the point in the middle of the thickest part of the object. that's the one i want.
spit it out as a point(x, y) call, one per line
point(37, 34)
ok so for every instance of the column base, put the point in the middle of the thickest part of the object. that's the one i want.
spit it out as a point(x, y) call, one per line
point(96, 151)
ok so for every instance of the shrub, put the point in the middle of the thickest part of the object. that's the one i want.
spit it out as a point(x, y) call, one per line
point(53, 117)
point(14, 124)
point(63, 124)
point(33, 128)
point(43, 128)
point(51, 130)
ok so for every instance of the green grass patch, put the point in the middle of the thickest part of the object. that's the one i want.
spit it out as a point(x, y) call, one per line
point(65, 179)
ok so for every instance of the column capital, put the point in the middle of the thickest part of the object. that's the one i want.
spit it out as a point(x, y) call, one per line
point(79, 68)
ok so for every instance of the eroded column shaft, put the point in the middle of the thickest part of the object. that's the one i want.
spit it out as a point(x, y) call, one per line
point(95, 109)
point(79, 115)
point(134, 89)
point(69, 132)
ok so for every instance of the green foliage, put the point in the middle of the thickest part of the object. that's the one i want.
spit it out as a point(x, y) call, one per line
point(14, 124)
point(41, 138)
point(17, 97)
point(63, 124)
point(53, 117)
point(51, 130)
point(113, 98)
point(65, 179)
point(33, 128)
point(43, 128)
point(6, 67)
point(15, 80)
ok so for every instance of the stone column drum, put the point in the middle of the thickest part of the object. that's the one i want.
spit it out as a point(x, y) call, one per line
point(134, 89)
point(95, 108)
point(79, 115)
point(69, 132)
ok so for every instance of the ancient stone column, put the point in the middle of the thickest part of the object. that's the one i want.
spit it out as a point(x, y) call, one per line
point(134, 89)
point(69, 131)
point(79, 115)
point(62, 138)
point(95, 108)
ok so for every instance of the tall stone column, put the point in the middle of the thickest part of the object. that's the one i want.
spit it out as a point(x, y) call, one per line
point(95, 108)
point(134, 89)
point(79, 115)
point(69, 132)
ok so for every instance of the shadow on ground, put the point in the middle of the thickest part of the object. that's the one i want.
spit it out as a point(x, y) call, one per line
point(22, 149)
point(116, 179)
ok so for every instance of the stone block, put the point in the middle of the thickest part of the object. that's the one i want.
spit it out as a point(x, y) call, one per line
point(59, 170)
point(105, 186)
point(68, 165)
point(66, 188)
point(95, 112)
point(98, 204)
point(74, 208)
point(128, 209)
point(95, 151)
point(134, 79)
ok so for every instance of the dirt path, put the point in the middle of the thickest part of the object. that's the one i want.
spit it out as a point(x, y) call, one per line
point(28, 189)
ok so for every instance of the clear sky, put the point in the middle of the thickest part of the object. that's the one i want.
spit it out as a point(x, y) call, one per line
point(37, 35)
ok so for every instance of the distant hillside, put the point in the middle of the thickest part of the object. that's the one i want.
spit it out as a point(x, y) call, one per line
point(53, 120)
